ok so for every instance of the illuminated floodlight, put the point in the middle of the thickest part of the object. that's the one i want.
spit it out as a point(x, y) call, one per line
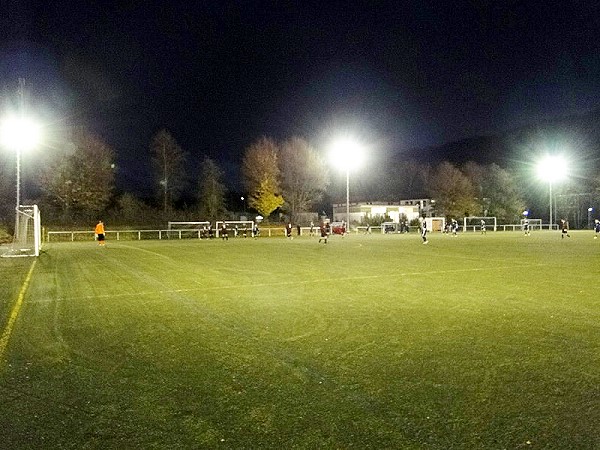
point(347, 154)
point(19, 133)
point(552, 168)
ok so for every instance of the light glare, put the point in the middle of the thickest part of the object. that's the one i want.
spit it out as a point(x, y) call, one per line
point(19, 134)
point(552, 168)
point(346, 154)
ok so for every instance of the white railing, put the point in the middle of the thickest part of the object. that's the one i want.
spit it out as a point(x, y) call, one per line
point(138, 235)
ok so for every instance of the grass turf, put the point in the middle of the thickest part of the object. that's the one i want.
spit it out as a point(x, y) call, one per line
point(366, 342)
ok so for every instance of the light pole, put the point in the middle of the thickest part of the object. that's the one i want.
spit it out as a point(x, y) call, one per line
point(552, 169)
point(590, 209)
point(347, 155)
point(19, 134)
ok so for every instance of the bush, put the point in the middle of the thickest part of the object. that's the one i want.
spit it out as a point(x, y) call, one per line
point(5, 236)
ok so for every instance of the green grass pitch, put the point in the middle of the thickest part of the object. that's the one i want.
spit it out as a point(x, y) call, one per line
point(376, 342)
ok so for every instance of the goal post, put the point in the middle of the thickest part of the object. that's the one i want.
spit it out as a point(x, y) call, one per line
point(27, 240)
point(187, 229)
point(235, 227)
point(480, 223)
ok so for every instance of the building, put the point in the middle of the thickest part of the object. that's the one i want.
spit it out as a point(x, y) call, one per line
point(359, 212)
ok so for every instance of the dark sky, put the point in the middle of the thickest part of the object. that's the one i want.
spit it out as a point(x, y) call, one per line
point(219, 74)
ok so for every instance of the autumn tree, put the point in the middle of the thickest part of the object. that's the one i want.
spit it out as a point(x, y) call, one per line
point(80, 179)
point(260, 172)
point(304, 176)
point(452, 191)
point(212, 190)
point(168, 160)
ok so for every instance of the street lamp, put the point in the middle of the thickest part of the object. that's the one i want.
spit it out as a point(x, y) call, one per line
point(347, 155)
point(19, 134)
point(590, 209)
point(551, 169)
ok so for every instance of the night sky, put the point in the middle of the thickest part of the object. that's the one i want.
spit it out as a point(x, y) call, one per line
point(219, 74)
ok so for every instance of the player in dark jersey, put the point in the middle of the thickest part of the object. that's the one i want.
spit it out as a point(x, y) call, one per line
point(424, 231)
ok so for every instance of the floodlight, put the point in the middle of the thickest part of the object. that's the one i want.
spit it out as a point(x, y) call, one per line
point(21, 134)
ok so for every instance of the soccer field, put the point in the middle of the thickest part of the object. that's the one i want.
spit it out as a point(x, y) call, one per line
point(373, 341)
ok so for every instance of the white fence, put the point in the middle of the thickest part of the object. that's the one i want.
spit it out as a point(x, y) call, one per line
point(139, 235)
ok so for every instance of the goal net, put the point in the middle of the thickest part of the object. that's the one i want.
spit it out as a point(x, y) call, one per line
point(476, 223)
point(188, 230)
point(534, 224)
point(235, 228)
point(27, 240)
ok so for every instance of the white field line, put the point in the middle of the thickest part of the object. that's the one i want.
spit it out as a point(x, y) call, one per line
point(298, 282)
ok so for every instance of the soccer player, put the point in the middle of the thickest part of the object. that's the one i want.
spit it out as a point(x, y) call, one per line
point(99, 231)
point(526, 227)
point(454, 227)
point(596, 228)
point(224, 232)
point(324, 233)
point(424, 230)
point(564, 226)
point(483, 228)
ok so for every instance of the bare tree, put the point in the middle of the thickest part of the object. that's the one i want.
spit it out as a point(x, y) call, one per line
point(304, 176)
point(212, 190)
point(168, 160)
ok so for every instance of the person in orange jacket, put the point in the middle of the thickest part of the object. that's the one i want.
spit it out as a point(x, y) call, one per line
point(99, 230)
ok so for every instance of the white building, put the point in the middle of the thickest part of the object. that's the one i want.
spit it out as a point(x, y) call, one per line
point(361, 211)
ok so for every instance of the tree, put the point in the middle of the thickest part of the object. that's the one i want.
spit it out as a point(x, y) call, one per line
point(265, 198)
point(80, 179)
point(497, 193)
point(304, 176)
point(260, 172)
point(452, 191)
point(211, 198)
point(168, 160)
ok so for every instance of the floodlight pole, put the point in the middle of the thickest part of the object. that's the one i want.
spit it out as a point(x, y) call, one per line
point(347, 199)
point(21, 93)
point(550, 189)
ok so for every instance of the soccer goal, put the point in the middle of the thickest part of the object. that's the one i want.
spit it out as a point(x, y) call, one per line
point(475, 223)
point(27, 240)
point(187, 230)
point(534, 224)
point(241, 228)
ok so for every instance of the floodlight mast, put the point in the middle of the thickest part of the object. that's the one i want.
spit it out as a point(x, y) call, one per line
point(347, 154)
point(19, 134)
point(551, 169)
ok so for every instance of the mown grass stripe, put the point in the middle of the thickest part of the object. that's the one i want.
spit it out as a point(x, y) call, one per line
point(12, 318)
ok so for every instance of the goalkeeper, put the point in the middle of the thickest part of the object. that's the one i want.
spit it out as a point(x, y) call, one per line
point(99, 231)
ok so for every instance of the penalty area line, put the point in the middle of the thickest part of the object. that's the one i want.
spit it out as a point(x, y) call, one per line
point(14, 313)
